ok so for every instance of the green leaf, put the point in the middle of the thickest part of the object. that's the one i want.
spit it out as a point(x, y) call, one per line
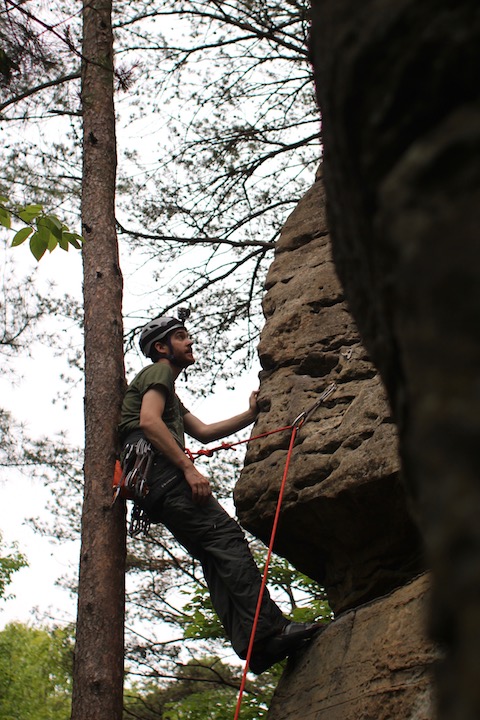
point(29, 212)
point(44, 233)
point(21, 236)
point(52, 242)
point(73, 238)
point(63, 243)
point(35, 677)
point(39, 243)
point(51, 224)
point(50, 231)
point(5, 218)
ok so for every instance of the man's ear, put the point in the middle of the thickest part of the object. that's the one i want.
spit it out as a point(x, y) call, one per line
point(161, 347)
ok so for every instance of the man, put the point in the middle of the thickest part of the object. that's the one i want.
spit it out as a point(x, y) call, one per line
point(180, 497)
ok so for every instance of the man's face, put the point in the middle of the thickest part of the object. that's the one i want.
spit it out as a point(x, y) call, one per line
point(182, 344)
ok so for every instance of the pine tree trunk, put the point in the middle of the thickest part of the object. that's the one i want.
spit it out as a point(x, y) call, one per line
point(98, 668)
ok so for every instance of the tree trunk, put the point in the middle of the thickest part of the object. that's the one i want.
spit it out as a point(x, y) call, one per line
point(397, 83)
point(98, 668)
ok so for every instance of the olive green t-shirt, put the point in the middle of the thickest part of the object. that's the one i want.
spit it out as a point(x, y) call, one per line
point(157, 376)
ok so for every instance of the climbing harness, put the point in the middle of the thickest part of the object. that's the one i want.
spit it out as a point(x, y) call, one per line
point(295, 427)
point(130, 482)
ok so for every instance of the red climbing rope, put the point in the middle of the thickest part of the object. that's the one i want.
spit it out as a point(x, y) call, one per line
point(295, 428)
point(208, 452)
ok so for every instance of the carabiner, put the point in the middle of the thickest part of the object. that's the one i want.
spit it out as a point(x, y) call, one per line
point(299, 420)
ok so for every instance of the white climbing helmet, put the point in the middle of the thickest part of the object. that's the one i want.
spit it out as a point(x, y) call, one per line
point(157, 329)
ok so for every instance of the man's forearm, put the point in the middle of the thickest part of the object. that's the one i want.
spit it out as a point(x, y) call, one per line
point(162, 439)
point(217, 430)
point(232, 425)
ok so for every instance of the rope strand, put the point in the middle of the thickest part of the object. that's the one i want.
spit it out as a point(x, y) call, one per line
point(294, 427)
point(208, 452)
point(265, 571)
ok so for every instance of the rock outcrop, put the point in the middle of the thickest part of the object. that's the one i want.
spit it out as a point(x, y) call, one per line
point(374, 662)
point(344, 519)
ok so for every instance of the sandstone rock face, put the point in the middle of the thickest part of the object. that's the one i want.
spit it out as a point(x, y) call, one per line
point(374, 662)
point(344, 519)
point(400, 104)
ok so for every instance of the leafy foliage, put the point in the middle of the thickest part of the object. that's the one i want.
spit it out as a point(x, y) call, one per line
point(45, 231)
point(218, 137)
point(35, 673)
point(204, 689)
point(9, 564)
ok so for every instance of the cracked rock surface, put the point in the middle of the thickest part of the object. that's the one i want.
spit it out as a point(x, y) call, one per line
point(373, 662)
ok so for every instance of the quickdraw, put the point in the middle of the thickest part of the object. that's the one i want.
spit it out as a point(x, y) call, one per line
point(135, 465)
point(303, 417)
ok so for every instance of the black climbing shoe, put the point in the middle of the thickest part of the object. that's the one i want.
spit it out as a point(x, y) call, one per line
point(277, 647)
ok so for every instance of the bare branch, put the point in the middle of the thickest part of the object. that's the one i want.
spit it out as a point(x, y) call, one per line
point(196, 241)
point(38, 88)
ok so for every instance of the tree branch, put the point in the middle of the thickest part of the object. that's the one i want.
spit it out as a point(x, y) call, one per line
point(31, 91)
point(196, 241)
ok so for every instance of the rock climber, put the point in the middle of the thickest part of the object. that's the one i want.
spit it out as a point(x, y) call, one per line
point(180, 496)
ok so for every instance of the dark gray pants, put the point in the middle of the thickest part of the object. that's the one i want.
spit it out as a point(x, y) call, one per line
point(216, 540)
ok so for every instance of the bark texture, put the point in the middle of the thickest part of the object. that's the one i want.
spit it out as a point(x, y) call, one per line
point(398, 87)
point(98, 669)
